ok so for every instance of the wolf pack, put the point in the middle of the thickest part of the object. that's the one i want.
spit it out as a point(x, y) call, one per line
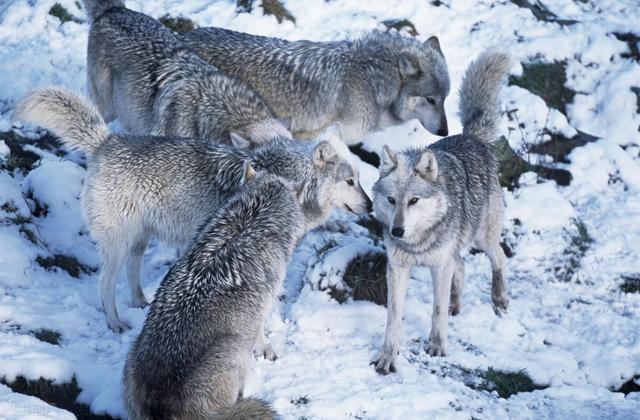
point(233, 146)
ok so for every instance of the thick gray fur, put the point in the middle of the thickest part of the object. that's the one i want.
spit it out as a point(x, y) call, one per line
point(138, 187)
point(438, 200)
point(365, 85)
point(192, 357)
point(140, 74)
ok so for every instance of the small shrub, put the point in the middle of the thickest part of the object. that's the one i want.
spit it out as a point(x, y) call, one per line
point(302, 400)
point(632, 385)
point(507, 384)
point(366, 277)
point(559, 147)
point(400, 24)
point(579, 242)
point(512, 165)
point(63, 14)
point(48, 336)
point(178, 24)
point(630, 283)
point(277, 9)
point(67, 263)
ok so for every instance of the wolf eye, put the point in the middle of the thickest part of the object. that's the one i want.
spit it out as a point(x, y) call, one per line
point(431, 100)
point(391, 200)
point(413, 200)
point(350, 182)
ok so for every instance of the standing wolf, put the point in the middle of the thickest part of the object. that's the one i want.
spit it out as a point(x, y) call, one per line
point(366, 84)
point(139, 73)
point(192, 356)
point(138, 187)
point(436, 201)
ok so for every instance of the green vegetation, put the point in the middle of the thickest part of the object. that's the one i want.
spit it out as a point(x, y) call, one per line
point(63, 14)
point(178, 24)
point(546, 80)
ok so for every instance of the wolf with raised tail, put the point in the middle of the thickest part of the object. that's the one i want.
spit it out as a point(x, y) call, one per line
point(438, 200)
point(139, 187)
point(140, 74)
point(366, 84)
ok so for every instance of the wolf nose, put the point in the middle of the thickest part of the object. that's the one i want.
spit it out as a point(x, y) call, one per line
point(443, 131)
point(397, 232)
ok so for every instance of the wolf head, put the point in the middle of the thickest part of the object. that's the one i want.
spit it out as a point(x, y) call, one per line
point(336, 183)
point(326, 171)
point(408, 197)
point(424, 86)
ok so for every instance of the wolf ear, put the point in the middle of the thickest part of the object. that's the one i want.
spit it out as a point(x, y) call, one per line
point(287, 122)
point(388, 162)
point(238, 141)
point(427, 166)
point(248, 173)
point(433, 43)
point(408, 64)
point(323, 154)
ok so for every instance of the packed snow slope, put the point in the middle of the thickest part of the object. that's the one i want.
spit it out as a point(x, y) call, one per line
point(571, 327)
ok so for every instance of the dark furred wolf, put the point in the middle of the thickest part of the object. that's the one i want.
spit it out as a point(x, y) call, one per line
point(193, 354)
point(140, 74)
point(436, 201)
point(365, 85)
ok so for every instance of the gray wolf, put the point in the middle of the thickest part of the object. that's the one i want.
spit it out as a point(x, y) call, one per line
point(138, 187)
point(365, 85)
point(191, 359)
point(140, 74)
point(437, 200)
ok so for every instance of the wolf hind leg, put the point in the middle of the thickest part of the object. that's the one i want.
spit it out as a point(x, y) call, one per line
point(134, 264)
point(488, 240)
point(113, 257)
point(457, 285)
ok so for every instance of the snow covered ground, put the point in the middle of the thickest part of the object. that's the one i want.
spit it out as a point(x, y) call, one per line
point(569, 325)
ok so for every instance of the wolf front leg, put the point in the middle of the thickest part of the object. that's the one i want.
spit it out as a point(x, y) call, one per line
point(397, 281)
point(441, 276)
point(263, 348)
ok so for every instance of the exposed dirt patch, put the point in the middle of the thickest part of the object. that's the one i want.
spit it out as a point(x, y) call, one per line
point(63, 14)
point(630, 283)
point(542, 13)
point(178, 24)
point(62, 395)
point(276, 8)
point(400, 25)
point(546, 80)
point(67, 263)
point(512, 166)
point(633, 41)
point(48, 336)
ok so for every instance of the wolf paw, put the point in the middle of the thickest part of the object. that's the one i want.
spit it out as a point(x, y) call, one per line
point(436, 347)
point(500, 304)
point(118, 326)
point(384, 364)
point(454, 308)
point(265, 350)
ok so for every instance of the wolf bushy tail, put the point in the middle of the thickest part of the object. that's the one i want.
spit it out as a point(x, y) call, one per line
point(95, 8)
point(247, 409)
point(479, 105)
point(67, 114)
